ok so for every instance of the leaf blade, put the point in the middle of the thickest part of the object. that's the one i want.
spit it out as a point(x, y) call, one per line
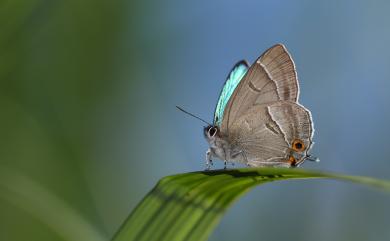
point(188, 206)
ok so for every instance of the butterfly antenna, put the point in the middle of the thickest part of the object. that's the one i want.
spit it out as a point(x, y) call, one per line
point(188, 113)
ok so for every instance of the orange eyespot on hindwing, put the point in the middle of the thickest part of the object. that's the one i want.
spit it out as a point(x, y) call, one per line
point(298, 145)
point(292, 161)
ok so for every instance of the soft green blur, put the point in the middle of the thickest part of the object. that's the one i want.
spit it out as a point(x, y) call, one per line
point(58, 63)
point(88, 122)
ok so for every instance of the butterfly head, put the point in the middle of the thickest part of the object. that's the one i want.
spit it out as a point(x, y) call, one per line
point(211, 132)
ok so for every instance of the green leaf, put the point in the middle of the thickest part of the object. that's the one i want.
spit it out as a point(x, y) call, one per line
point(189, 206)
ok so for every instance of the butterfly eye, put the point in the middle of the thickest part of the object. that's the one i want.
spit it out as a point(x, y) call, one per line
point(213, 131)
point(298, 145)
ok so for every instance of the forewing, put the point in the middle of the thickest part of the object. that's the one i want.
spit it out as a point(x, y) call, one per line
point(271, 78)
point(234, 77)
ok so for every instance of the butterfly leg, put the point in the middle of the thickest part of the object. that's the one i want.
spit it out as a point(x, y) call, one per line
point(209, 162)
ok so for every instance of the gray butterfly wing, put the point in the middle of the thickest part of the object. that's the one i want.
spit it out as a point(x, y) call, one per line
point(271, 78)
point(258, 138)
point(274, 134)
point(295, 122)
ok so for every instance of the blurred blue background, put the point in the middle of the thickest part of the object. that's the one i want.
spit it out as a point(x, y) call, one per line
point(88, 92)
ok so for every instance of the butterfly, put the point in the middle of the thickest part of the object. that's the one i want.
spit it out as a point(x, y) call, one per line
point(258, 120)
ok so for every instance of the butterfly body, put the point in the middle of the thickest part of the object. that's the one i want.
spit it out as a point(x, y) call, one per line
point(222, 147)
point(258, 120)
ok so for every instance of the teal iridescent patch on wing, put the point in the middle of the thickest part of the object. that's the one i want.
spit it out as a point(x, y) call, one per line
point(231, 83)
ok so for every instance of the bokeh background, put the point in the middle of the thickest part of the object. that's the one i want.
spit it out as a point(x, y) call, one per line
point(88, 122)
